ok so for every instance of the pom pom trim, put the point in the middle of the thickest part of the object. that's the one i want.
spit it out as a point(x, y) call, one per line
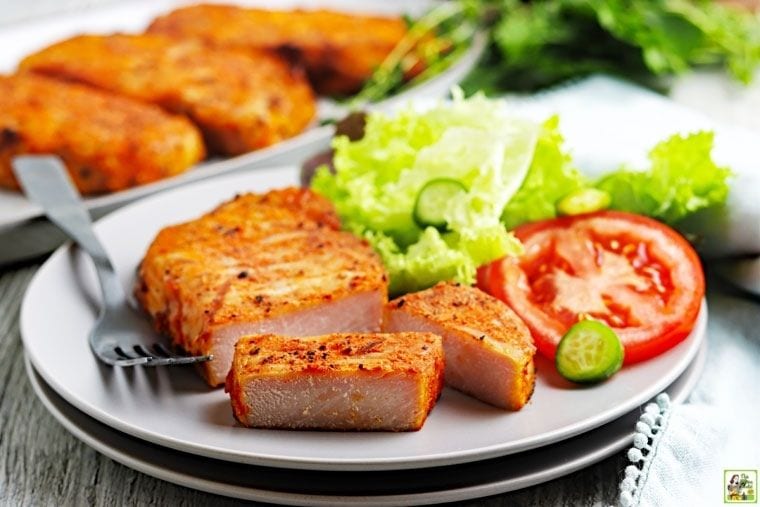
point(649, 430)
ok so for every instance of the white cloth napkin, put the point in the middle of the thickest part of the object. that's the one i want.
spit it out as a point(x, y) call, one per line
point(680, 453)
point(608, 122)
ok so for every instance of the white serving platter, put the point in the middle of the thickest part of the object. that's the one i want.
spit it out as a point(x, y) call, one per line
point(25, 233)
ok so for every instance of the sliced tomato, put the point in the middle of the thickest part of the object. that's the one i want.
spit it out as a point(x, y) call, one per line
point(637, 275)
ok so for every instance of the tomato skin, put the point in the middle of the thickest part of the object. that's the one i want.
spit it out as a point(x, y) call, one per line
point(485, 275)
point(508, 280)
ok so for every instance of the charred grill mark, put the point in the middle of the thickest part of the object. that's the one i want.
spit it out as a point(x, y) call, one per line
point(218, 300)
point(372, 346)
point(85, 173)
point(8, 136)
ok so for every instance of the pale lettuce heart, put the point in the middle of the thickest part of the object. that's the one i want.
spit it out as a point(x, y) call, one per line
point(476, 141)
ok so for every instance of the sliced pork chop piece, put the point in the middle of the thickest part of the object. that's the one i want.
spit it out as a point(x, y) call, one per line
point(488, 349)
point(271, 263)
point(379, 382)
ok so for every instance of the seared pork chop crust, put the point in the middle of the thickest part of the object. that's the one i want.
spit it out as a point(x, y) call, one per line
point(340, 51)
point(107, 142)
point(241, 102)
point(271, 263)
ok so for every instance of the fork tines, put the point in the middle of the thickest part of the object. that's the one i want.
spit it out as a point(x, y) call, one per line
point(161, 356)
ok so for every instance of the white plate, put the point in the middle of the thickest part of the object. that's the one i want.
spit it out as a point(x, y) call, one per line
point(390, 488)
point(172, 406)
point(134, 16)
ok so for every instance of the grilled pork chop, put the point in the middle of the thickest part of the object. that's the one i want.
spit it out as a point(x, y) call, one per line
point(336, 382)
point(339, 50)
point(241, 102)
point(107, 142)
point(271, 263)
point(488, 349)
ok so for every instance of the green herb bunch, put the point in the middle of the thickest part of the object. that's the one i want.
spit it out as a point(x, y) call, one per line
point(539, 43)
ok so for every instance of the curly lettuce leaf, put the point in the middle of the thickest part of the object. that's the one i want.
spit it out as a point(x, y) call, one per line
point(423, 264)
point(551, 176)
point(377, 178)
point(682, 179)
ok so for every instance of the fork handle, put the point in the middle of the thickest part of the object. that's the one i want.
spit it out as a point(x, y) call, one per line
point(46, 182)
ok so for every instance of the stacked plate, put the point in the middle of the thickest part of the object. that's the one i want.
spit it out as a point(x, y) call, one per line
point(167, 423)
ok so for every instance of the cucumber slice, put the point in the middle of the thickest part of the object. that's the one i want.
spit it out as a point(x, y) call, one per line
point(586, 200)
point(433, 200)
point(589, 352)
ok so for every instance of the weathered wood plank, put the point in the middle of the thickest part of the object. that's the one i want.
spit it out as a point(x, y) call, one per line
point(42, 464)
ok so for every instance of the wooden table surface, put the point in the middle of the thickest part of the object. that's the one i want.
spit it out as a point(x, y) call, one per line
point(42, 464)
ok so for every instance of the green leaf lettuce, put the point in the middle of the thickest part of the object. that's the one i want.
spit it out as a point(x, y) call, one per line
point(682, 179)
point(475, 141)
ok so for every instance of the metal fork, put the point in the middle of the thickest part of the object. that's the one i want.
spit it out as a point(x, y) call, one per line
point(121, 336)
